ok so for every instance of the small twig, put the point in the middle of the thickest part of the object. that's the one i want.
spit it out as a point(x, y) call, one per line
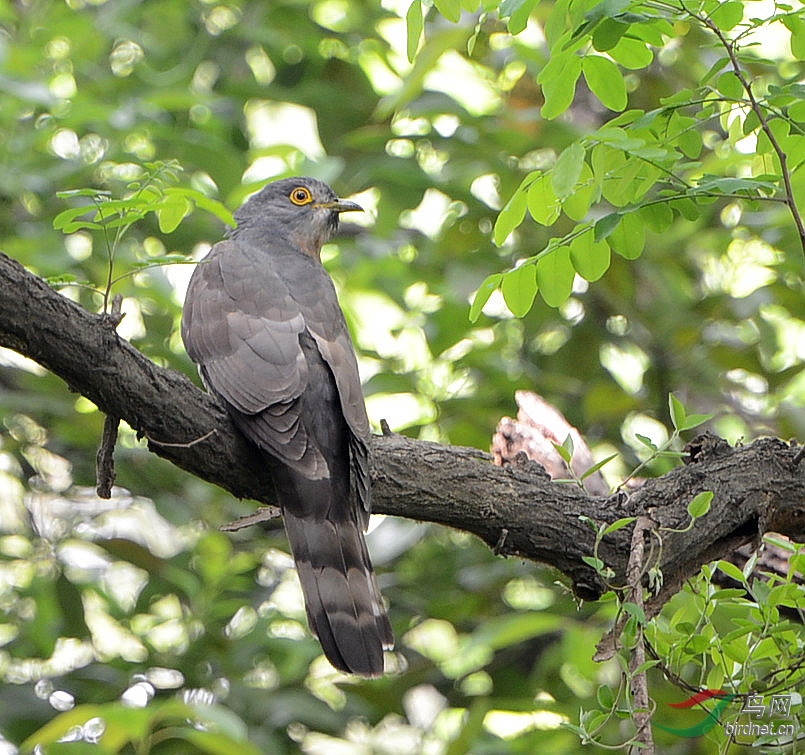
point(189, 443)
point(115, 315)
point(104, 461)
point(800, 456)
point(384, 428)
point(498, 547)
point(263, 514)
point(641, 708)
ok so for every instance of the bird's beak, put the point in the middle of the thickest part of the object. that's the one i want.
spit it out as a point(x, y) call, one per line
point(341, 205)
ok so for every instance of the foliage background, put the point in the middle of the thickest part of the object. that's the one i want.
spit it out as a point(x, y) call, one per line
point(141, 600)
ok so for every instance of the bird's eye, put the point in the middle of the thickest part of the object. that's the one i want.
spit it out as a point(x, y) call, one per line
point(301, 196)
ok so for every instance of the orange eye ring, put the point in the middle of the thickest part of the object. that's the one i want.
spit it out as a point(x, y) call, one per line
point(301, 196)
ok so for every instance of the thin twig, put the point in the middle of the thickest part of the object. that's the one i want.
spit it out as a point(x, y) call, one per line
point(641, 707)
point(188, 444)
point(263, 514)
point(104, 461)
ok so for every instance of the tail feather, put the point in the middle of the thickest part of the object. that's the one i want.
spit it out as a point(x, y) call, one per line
point(344, 606)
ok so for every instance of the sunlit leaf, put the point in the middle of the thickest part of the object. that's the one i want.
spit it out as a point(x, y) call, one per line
point(542, 201)
point(519, 287)
point(677, 410)
point(628, 238)
point(559, 87)
point(450, 9)
point(597, 466)
point(606, 81)
point(730, 86)
point(565, 449)
point(728, 15)
point(700, 504)
point(732, 571)
point(483, 293)
point(567, 171)
point(608, 33)
point(171, 214)
point(510, 217)
point(633, 54)
point(555, 276)
point(577, 205)
point(517, 13)
point(796, 25)
point(415, 25)
point(646, 441)
point(590, 258)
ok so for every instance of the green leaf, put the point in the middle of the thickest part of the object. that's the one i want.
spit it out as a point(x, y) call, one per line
point(542, 202)
point(605, 81)
point(636, 611)
point(519, 287)
point(589, 257)
point(646, 441)
point(558, 80)
point(86, 192)
point(690, 142)
point(677, 411)
point(730, 86)
point(606, 225)
point(450, 9)
point(796, 25)
point(415, 24)
point(604, 9)
point(633, 54)
point(694, 420)
point(578, 204)
point(619, 524)
point(517, 11)
point(658, 217)
point(565, 449)
point(606, 699)
point(510, 216)
point(728, 15)
point(203, 202)
point(483, 293)
point(700, 504)
point(732, 571)
point(598, 465)
point(628, 239)
point(68, 218)
point(567, 171)
point(645, 666)
point(595, 563)
point(172, 213)
point(608, 33)
point(555, 275)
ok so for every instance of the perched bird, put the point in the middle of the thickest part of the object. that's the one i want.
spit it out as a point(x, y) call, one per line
point(262, 321)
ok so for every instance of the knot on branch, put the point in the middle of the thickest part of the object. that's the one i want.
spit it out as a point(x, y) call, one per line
point(706, 446)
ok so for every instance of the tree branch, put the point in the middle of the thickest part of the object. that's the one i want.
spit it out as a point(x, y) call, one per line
point(757, 488)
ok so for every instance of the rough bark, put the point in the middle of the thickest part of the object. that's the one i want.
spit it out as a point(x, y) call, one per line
point(515, 509)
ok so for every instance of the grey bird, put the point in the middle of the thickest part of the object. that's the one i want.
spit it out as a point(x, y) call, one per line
point(262, 322)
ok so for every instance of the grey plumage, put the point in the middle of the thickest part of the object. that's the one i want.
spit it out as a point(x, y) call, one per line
point(262, 321)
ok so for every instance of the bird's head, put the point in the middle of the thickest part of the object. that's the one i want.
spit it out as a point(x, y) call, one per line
point(303, 210)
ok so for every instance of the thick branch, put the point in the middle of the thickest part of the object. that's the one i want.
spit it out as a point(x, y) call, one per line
point(515, 509)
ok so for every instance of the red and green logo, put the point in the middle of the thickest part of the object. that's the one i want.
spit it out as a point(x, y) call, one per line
point(711, 718)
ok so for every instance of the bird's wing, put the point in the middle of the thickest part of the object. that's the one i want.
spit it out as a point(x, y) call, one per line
point(242, 325)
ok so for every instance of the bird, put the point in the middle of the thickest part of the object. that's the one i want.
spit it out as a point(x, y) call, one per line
point(262, 321)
